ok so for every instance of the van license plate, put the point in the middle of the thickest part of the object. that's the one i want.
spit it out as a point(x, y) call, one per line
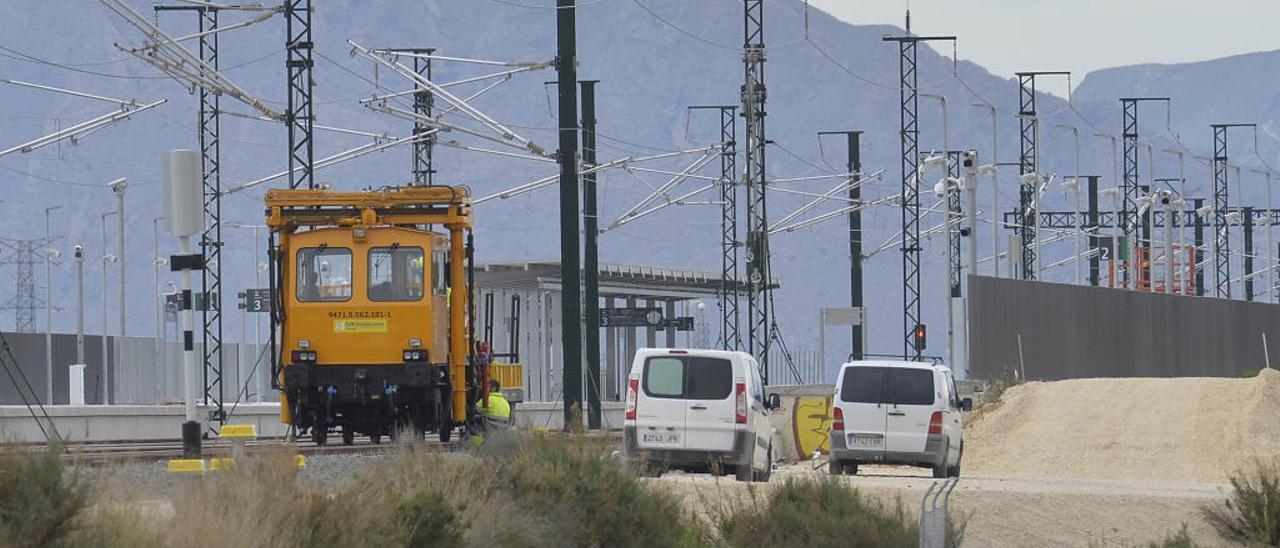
point(660, 438)
point(873, 441)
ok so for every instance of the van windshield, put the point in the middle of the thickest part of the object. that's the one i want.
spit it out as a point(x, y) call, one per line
point(904, 386)
point(688, 377)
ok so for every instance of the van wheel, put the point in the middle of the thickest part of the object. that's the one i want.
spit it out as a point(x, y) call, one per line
point(954, 471)
point(837, 467)
point(941, 471)
point(763, 477)
point(649, 469)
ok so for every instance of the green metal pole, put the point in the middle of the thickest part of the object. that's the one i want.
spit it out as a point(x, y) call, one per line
point(591, 263)
point(570, 302)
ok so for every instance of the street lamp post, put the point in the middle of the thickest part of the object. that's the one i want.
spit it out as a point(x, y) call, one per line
point(1117, 227)
point(946, 233)
point(1075, 132)
point(79, 256)
point(117, 186)
point(106, 360)
point(1182, 196)
point(48, 306)
point(995, 195)
point(158, 303)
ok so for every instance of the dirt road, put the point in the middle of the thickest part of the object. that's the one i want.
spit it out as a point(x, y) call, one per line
point(1015, 512)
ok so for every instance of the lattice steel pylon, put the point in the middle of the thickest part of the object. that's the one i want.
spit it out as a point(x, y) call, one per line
point(1222, 240)
point(211, 238)
point(730, 334)
point(753, 112)
point(1029, 162)
point(910, 136)
point(955, 163)
point(1129, 206)
point(424, 101)
point(22, 254)
point(299, 117)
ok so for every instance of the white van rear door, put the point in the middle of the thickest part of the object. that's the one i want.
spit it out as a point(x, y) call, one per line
point(859, 397)
point(911, 397)
point(710, 390)
point(660, 405)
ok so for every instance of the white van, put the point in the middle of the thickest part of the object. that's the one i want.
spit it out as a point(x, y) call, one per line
point(701, 410)
point(890, 412)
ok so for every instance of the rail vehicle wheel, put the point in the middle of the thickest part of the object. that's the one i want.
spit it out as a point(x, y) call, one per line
point(348, 436)
point(319, 435)
point(444, 419)
point(375, 438)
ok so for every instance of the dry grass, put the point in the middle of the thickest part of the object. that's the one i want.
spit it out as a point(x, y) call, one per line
point(820, 512)
point(514, 491)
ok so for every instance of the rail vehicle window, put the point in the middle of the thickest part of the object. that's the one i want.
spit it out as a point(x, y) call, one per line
point(324, 274)
point(439, 283)
point(395, 273)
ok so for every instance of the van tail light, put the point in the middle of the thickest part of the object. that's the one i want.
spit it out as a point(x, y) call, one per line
point(837, 420)
point(935, 423)
point(740, 416)
point(633, 389)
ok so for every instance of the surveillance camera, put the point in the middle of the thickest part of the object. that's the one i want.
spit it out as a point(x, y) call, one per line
point(964, 231)
point(118, 185)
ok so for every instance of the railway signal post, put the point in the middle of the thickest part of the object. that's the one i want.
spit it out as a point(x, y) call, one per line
point(182, 200)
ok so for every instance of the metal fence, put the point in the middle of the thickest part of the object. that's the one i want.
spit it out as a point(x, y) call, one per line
point(143, 370)
point(1046, 331)
point(805, 367)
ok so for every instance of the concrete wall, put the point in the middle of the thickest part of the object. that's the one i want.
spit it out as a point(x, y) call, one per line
point(1075, 332)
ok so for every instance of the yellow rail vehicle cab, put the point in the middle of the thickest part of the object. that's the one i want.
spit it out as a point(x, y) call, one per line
point(371, 310)
point(369, 302)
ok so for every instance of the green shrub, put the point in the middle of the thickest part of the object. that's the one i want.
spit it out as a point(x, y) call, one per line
point(427, 520)
point(39, 500)
point(589, 499)
point(1181, 539)
point(1251, 515)
point(818, 513)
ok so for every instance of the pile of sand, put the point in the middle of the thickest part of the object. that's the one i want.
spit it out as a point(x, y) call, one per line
point(1179, 430)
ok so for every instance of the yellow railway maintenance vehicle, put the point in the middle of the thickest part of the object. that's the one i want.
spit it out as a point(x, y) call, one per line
point(370, 304)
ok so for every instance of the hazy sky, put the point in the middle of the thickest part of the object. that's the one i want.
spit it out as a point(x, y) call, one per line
point(1080, 35)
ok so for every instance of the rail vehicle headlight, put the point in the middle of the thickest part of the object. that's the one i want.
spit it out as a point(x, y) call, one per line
point(304, 356)
point(415, 342)
point(304, 343)
point(415, 355)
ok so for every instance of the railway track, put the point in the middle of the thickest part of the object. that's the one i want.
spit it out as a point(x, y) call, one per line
point(105, 453)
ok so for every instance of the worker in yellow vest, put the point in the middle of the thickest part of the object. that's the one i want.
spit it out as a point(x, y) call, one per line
point(498, 412)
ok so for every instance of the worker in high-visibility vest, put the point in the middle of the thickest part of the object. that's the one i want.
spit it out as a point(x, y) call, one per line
point(499, 409)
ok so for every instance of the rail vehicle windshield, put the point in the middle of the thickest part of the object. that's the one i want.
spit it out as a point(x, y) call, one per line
point(395, 273)
point(324, 274)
